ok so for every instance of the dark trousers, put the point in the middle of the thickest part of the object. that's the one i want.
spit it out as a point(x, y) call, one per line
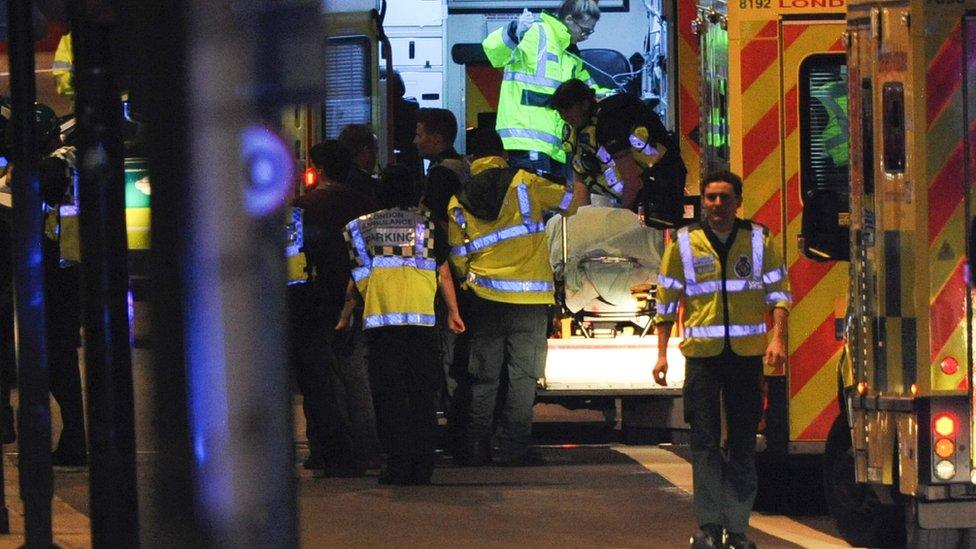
point(725, 483)
point(512, 338)
point(63, 311)
point(314, 366)
point(405, 374)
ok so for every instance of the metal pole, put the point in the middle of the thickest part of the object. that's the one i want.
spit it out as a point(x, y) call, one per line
point(34, 417)
point(111, 421)
point(159, 89)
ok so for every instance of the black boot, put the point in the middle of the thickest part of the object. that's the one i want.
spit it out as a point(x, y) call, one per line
point(708, 536)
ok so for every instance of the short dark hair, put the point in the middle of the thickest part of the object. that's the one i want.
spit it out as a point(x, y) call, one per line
point(578, 9)
point(398, 181)
point(726, 176)
point(357, 137)
point(333, 158)
point(570, 93)
point(484, 142)
point(439, 121)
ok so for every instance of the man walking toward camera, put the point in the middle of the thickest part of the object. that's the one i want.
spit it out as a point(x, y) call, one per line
point(729, 276)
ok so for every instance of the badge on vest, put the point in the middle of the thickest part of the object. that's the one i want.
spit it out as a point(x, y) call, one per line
point(704, 265)
point(743, 267)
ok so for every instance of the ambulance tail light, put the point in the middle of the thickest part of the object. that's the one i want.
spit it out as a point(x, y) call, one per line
point(944, 425)
point(948, 429)
point(310, 178)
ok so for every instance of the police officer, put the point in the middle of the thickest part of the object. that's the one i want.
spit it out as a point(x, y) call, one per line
point(536, 57)
point(499, 249)
point(728, 274)
point(622, 154)
point(57, 173)
point(396, 266)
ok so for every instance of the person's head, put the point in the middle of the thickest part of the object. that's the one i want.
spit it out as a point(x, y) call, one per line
point(332, 160)
point(721, 196)
point(573, 100)
point(436, 131)
point(397, 181)
point(396, 83)
point(580, 17)
point(484, 142)
point(362, 145)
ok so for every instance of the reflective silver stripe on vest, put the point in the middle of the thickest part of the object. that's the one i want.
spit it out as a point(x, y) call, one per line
point(525, 205)
point(420, 241)
point(525, 133)
point(491, 239)
point(669, 283)
point(512, 286)
point(543, 81)
point(684, 250)
point(773, 297)
point(774, 276)
point(735, 330)
point(757, 253)
point(459, 218)
point(398, 319)
point(359, 244)
point(360, 273)
point(669, 308)
point(540, 64)
point(567, 200)
point(715, 286)
point(63, 65)
point(640, 145)
point(507, 40)
point(394, 262)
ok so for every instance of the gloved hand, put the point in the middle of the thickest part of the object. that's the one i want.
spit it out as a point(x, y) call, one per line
point(524, 22)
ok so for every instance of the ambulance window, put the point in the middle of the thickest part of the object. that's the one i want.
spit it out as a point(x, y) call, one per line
point(348, 89)
point(893, 98)
point(867, 134)
point(824, 156)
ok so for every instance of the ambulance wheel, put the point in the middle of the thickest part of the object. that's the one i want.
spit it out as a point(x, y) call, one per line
point(861, 518)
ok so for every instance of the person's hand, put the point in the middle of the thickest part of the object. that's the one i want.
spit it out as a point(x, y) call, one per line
point(661, 371)
point(455, 324)
point(525, 20)
point(775, 353)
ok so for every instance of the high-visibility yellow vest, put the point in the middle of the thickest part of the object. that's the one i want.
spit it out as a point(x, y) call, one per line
point(533, 69)
point(722, 301)
point(61, 221)
point(395, 268)
point(506, 259)
point(63, 66)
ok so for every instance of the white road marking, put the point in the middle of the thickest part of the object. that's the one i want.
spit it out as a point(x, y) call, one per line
point(677, 471)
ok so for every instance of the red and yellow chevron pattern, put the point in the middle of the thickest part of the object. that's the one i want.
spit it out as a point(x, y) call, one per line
point(689, 107)
point(946, 207)
point(767, 154)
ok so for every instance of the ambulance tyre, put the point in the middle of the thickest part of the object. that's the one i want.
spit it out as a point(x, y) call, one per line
point(929, 538)
point(860, 517)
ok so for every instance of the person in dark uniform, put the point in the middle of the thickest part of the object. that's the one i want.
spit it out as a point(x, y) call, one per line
point(62, 288)
point(315, 310)
point(622, 154)
point(404, 123)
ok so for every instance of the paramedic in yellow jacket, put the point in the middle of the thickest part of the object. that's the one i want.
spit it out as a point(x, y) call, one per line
point(396, 259)
point(499, 250)
point(62, 68)
point(729, 276)
point(536, 57)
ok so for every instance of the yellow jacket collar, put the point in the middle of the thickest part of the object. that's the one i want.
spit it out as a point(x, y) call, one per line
point(486, 163)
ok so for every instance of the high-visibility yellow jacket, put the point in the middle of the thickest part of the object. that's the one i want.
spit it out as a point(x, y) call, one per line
point(726, 299)
point(533, 68)
point(63, 66)
point(497, 232)
point(395, 270)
